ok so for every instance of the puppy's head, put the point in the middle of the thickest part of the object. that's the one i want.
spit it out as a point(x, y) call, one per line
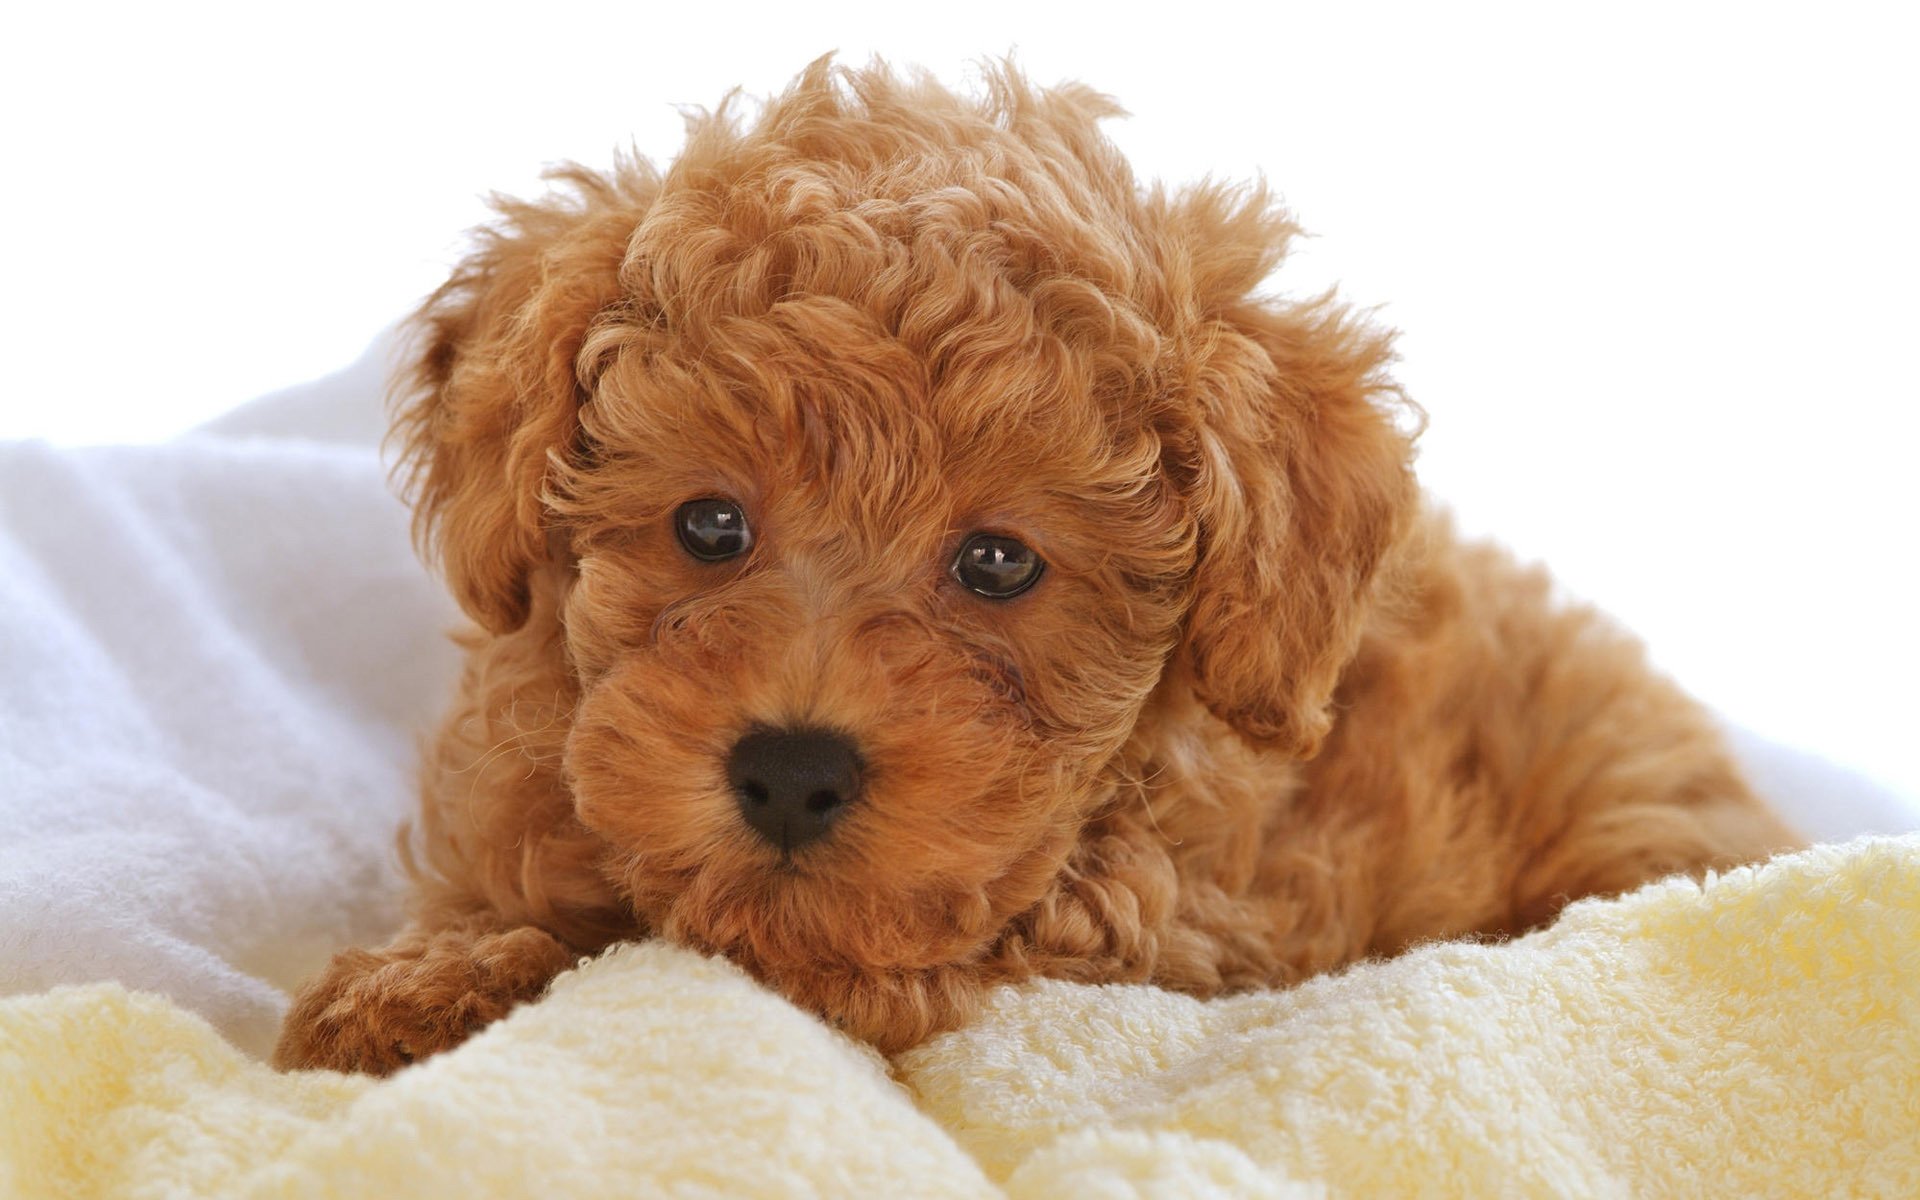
point(880, 461)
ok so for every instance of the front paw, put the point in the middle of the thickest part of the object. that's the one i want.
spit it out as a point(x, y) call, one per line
point(377, 1011)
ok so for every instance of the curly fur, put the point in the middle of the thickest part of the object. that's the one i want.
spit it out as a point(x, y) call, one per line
point(1263, 716)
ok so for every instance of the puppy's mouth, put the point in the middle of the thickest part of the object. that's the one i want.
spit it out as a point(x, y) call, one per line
point(872, 834)
point(863, 890)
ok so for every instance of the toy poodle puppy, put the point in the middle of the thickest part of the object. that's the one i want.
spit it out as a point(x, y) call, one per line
point(908, 556)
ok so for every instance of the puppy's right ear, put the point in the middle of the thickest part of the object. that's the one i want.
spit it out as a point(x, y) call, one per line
point(494, 392)
point(1295, 451)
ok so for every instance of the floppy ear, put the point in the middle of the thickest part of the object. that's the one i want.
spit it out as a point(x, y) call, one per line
point(1300, 482)
point(494, 390)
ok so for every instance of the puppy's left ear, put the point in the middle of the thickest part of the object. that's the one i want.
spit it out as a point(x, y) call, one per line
point(495, 390)
point(1301, 483)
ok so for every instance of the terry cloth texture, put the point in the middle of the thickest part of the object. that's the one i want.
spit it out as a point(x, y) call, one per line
point(1758, 1037)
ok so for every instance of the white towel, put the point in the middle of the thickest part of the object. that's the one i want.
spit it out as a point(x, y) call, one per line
point(215, 658)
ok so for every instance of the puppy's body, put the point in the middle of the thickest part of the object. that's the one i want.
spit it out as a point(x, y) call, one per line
point(1258, 717)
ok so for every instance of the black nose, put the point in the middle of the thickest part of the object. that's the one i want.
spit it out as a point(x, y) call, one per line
point(792, 784)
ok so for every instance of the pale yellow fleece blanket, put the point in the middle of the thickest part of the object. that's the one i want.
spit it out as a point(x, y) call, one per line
point(1759, 1036)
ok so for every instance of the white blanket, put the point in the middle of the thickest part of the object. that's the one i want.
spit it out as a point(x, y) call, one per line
point(216, 656)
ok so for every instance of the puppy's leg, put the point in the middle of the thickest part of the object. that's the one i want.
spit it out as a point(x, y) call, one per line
point(1628, 781)
point(1616, 843)
point(1502, 752)
point(427, 991)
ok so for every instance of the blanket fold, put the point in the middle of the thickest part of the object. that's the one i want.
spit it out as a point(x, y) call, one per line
point(1758, 1036)
point(215, 656)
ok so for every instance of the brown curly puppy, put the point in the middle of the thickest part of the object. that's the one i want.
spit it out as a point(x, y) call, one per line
point(909, 557)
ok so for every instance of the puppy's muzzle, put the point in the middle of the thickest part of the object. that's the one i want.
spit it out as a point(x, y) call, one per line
point(793, 784)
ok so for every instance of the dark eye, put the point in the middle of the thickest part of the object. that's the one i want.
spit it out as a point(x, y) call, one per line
point(712, 529)
point(996, 567)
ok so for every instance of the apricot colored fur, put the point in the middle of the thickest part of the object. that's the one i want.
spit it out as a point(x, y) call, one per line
point(1262, 716)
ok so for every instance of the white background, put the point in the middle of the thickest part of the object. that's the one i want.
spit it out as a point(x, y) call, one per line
point(1655, 265)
